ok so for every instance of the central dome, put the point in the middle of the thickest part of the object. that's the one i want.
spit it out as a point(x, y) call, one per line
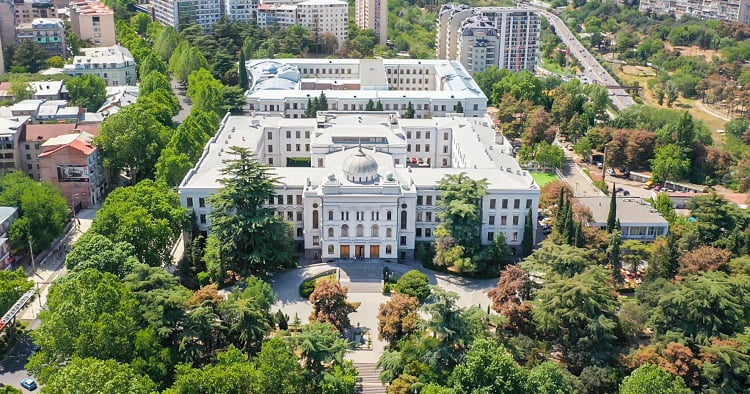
point(360, 167)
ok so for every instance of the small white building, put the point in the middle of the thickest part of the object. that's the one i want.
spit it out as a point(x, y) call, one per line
point(370, 188)
point(115, 64)
point(638, 220)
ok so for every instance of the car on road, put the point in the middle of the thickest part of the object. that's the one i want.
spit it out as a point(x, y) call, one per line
point(29, 384)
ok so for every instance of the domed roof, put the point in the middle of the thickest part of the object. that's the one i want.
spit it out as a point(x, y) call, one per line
point(360, 167)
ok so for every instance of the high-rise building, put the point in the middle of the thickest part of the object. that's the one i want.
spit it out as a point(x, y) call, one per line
point(723, 10)
point(182, 13)
point(27, 11)
point(245, 11)
point(49, 33)
point(325, 16)
point(482, 37)
point(373, 14)
point(93, 21)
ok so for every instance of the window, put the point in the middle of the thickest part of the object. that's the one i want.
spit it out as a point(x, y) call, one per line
point(330, 249)
point(516, 203)
point(402, 241)
point(330, 232)
point(505, 203)
point(300, 231)
point(429, 216)
point(190, 202)
point(388, 249)
point(270, 161)
point(296, 147)
point(374, 231)
point(270, 148)
point(289, 134)
point(288, 147)
point(315, 219)
point(299, 199)
point(388, 216)
point(429, 200)
point(515, 220)
point(203, 218)
point(419, 200)
point(289, 199)
point(492, 220)
point(426, 147)
point(403, 220)
point(299, 216)
point(330, 215)
point(270, 135)
point(388, 233)
point(316, 240)
point(360, 230)
point(528, 203)
point(490, 236)
point(289, 216)
point(202, 202)
point(492, 203)
point(419, 232)
point(514, 237)
point(345, 230)
point(503, 220)
point(428, 232)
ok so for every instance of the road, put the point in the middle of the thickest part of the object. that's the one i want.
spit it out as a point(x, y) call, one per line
point(185, 104)
point(13, 366)
point(593, 71)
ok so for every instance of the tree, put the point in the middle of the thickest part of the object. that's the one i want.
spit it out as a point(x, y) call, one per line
point(30, 57)
point(552, 261)
point(489, 368)
point(147, 216)
point(670, 162)
point(379, 106)
point(21, 90)
point(244, 83)
point(330, 305)
point(737, 127)
point(705, 258)
point(190, 60)
point(550, 378)
point(206, 92)
point(88, 91)
point(42, 208)
point(612, 214)
point(56, 62)
point(397, 318)
point(153, 81)
point(319, 346)
point(232, 373)
point(459, 108)
point(614, 255)
point(510, 296)
point(551, 156)
point(370, 105)
point(414, 283)
point(132, 140)
point(409, 113)
point(166, 43)
point(343, 377)
point(579, 312)
point(151, 63)
point(12, 285)
point(90, 375)
point(279, 370)
point(246, 237)
point(247, 314)
point(527, 244)
point(96, 251)
point(652, 379)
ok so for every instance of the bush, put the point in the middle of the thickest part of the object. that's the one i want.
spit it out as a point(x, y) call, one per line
point(204, 278)
point(306, 288)
point(387, 288)
point(415, 284)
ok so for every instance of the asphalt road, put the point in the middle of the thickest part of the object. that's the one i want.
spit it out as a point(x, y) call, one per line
point(593, 71)
point(12, 367)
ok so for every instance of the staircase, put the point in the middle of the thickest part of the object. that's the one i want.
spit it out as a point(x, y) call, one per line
point(363, 287)
point(369, 379)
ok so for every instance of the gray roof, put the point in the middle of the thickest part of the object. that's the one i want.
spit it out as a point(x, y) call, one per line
point(7, 212)
point(630, 211)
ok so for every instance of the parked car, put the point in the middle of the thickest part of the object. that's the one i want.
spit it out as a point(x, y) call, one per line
point(29, 384)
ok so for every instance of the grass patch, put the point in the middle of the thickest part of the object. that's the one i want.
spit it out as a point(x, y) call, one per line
point(543, 178)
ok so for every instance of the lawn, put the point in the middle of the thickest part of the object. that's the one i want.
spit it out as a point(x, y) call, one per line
point(543, 178)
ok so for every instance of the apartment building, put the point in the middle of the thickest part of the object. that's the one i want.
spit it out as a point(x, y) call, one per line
point(245, 11)
point(7, 216)
point(325, 16)
point(181, 13)
point(49, 33)
point(93, 21)
point(723, 10)
point(373, 14)
point(115, 64)
point(277, 14)
point(11, 129)
point(466, 34)
point(27, 11)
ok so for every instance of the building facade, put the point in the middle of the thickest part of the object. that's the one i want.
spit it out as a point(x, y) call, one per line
point(115, 64)
point(482, 37)
point(323, 17)
point(73, 164)
point(433, 88)
point(48, 33)
point(723, 10)
point(11, 130)
point(370, 190)
point(373, 14)
point(181, 13)
point(93, 21)
point(277, 14)
point(245, 11)
point(7, 216)
point(27, 11)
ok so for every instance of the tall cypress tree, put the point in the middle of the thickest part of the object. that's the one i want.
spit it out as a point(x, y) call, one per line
point(244, 83)
point(527, 244)
point(613, 255)
point(579, 239)
point(378, 106)
point(560, 203)
point(612, 217)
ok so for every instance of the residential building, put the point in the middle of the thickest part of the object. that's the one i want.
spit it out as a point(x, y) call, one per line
point(373, 14)
point(7, 24)
point(245, 11)
point(30, 144)
point(467, 34)
point(723, 10)
point(638, 220)
point(49, 33)
point(73, 164)
point(2, 61)
point(41, 110)
point(277, 14)
point(11, 129)
point(434, 88)
point(182, 13)
point(115, 64)
point(7, 216)
point(93, 21)
point(118, 97)
point(27, 11)
point(322, 17)
point(49, 90)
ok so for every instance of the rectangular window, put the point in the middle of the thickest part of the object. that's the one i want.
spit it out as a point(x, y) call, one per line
point(300, 231)
point(514, 237)
point(289, 134)
point(289, 216)
point(270, 135)
point(505, 203)
point(296, 133)
point(503, 220)
point(492, 203)
point(299, 216)
point(515, 220)
point(316, 240)
point(492, 220)
point(490, 236)
point(427, 135)
point(203, 218)
point(419, 216)
point(280, 199)
point(419, 232)
point(419, 134)
point(528, 203)
point(429, 216)
point(289, 199)
point(445, 149)
point(516, 203)
point(288, 147)
point(299, 199)
point(428, 232)
point(426, 147)
point(418, 147)
point(429, 200)
point(403, 240)
point(190, 202)
point(419, 200)
point(202, 202)
point(270, 148)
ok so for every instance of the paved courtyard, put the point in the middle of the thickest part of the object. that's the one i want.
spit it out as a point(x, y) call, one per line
point(363, 280)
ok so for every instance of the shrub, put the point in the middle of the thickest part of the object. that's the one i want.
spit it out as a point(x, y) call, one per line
point(306, 288)
point(204, 278)
point(415, 284)
point(387, 288)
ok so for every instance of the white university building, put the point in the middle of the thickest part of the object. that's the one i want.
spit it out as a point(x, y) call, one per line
point(368, 185)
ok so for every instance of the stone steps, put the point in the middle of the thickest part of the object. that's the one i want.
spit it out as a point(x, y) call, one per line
point(369, 379)
point(363, 287)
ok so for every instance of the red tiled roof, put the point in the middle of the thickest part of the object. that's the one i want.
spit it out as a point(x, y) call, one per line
point(43, 132)
point(91, 128)
point(78, 145)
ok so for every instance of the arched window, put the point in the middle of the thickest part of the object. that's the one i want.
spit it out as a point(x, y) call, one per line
point(403, 220)
point(345, 230)
point(388, 249)
point(360, 230)
point(388, 233)
point(330, 232)
point(316, 218)
point(374, 231)
point(330, 215)
point(330, 249)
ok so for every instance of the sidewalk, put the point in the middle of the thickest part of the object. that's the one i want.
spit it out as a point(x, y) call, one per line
point(50, 264)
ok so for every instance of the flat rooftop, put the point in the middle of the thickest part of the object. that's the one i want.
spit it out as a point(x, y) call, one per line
point(630, 211)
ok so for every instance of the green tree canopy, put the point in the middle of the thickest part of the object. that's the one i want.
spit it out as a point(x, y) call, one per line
point(88, 91)
point(91, 376)
point(12, 285)
point(489, 368)
point(651, 379)
point(96, 251)
point(414, 283)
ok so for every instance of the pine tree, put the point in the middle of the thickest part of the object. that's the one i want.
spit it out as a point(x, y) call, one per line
point(322, 103)
point(527, 244)
point(370, 105)
point(244, 83)
point(613, 255)
point(309, 109)
point(612, 216)
point(568, 225)
point(459, 108)
point(409, 113)
point(580, 241)
point(560, 203)
point(378, 106)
